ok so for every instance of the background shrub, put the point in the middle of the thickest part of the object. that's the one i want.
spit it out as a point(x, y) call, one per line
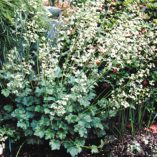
point(15, 15)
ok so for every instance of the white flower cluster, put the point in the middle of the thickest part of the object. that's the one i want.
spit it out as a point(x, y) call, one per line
point(129, 44)
point(15, 71)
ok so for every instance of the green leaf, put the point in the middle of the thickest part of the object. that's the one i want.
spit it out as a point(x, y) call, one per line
point(8, 108)
point(39, 91)
point(87, 118)
point(74, 147)
point(94, 149)
point(49, 134)
point(31, 108)
point(39, 132)
point(46, 110)
point(23, 124)
point(28, 101)
point(55, 144)
point(38, 108)
point(81, 129)
point(5, 92)
point(73, 151)
point(61, 134)
point(71, 118)
point(57, 72)
point(96, 122)
point(83, 132)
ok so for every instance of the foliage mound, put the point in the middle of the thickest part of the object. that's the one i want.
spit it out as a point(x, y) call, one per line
point(100, 67)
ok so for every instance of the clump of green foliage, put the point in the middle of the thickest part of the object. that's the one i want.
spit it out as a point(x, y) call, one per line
point(98, 67)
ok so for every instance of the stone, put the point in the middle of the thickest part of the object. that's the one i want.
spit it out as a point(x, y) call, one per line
point(54, 12)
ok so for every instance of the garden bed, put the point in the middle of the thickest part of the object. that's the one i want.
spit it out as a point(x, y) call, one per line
point(143, 144)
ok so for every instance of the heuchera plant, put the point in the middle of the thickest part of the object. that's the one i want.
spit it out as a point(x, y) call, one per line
point(54, 88)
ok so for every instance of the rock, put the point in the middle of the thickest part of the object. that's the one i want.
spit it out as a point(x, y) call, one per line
point(54, 17)
point(53, 32)
point(54, 12)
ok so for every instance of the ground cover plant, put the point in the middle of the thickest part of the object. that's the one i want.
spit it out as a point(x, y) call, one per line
point(101, 71)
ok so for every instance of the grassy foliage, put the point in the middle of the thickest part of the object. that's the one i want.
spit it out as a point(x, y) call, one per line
point(7, 15)
point(14, 15)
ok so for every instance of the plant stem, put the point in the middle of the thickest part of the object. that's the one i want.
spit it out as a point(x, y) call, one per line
point(20, 149)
